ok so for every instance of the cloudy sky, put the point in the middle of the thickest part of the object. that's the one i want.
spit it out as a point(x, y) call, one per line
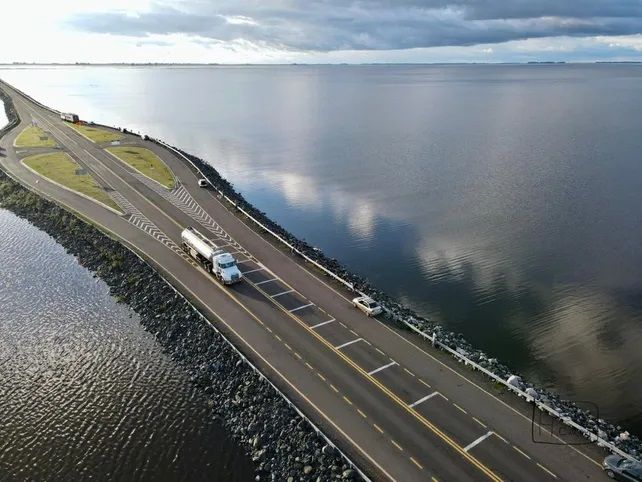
point(249, 31)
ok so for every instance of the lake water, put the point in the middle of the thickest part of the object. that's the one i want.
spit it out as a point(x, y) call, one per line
point(85, 392)
point(504, 201)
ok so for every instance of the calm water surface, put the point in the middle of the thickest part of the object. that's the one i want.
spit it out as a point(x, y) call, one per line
point(85, 392)
point(504, 201)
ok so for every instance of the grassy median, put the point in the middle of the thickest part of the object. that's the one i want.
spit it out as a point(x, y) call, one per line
point(61, 168)
point(34, 136)
point(146, 162)
point(96, 134)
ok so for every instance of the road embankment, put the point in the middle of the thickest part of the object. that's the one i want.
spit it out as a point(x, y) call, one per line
point(282, 445)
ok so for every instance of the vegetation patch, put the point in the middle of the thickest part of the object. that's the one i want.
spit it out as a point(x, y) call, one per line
point(96, 134)
point(34, 136)
point(146, 162)
point(61, 168)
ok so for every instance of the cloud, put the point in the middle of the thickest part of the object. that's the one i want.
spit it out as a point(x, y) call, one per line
point(330, 25)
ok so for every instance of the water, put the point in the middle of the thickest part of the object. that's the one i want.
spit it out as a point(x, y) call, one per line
point(504, 201)
point(85, 392)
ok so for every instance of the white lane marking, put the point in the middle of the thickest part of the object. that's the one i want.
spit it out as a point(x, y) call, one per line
point(322, 323)
point(423, 399)
point(282, 293)
point(266, 281)
point(478, 441)
point(301, 307)
point(377, 370)
point(250, 271)
point(545, 469)
point(348, 343)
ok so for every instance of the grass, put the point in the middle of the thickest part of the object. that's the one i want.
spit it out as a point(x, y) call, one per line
point(60, 168)
point(34, 136)
point(95, 134)
point(146, 162)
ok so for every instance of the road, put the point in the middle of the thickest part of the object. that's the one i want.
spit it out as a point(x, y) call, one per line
point(401, 409)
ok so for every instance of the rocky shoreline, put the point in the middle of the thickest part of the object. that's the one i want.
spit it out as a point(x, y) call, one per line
point(282, 445)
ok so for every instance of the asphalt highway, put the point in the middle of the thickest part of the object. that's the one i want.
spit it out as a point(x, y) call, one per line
point(401, 409)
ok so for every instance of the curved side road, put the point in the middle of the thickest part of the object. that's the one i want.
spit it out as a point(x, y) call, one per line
point(401, 409)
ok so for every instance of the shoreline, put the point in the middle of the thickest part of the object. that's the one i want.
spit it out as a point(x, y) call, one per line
point(402, 317)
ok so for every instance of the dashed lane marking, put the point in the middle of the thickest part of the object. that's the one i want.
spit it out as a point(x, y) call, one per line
point(348, 343)
point(423, 399)
point(459, 408)
point(522, 452)
point(301, 307)
point(282, 293)
point(318, 325)
point(427, 384)
point(546, 470)
point(477, 441)
point(377, 370)
point(416, 463)
point(361, 413)
point(396, 445)
point(348, 401)
point(266, 281)
point(480, 422)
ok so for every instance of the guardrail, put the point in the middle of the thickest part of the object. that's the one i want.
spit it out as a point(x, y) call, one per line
point(433, 339)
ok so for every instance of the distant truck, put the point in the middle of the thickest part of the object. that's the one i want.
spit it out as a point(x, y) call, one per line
point(69, 117)
point(216, 261)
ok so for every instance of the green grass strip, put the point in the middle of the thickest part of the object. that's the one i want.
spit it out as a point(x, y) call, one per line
point(146, 162)
point(61, 168)
point(95, 134)
point(34, 136)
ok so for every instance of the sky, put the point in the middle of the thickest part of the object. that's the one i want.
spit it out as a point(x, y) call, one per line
point(320, 31)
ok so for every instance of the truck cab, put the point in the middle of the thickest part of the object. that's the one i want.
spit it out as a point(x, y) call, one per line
point(225, 269)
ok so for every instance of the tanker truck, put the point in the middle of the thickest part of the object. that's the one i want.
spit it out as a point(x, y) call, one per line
point(216, 261)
